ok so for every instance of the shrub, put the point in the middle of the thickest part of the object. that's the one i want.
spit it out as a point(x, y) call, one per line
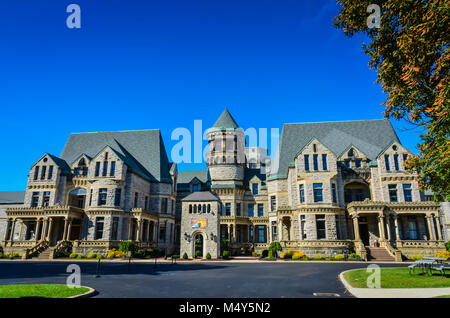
point(198, 253)
point(296, 257)
point(306, 258)
point(208, 256)
point(127, 246)
point(80, 256)
point(73, 255)
point(447, 245)
point(265, 253)
point(2, 255)
point(14, 255)
point(443, 254)
point(416, 257)
point(110, 255)
point(175, 256)
point(100, 256)
point(271, 255)
point(354, 256)
point(139, 254)
point(285, 254)
point(318, 257)
point(92, 255)
point(339, 257)
point(299, 253)
point(329, 258)
point(185, 256)
point(226, 255)
point(113, 253)
point(275, 247)
point(255, 254)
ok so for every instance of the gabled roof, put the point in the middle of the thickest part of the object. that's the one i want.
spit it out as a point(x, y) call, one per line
point(226, 121)
point(12, 197)
point(369, 136)
point(249, 174)
point(142, 150)
point(201, 196)
point(187, 176)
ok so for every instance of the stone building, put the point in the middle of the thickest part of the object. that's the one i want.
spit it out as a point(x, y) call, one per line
point(332, 187)
point(104, 188)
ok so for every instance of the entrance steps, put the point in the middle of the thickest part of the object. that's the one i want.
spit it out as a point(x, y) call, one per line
point(379, 254)
point(44, 254)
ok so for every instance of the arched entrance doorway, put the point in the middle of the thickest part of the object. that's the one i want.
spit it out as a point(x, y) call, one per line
point(199, 245)
point(77, 198)
point(356, 191)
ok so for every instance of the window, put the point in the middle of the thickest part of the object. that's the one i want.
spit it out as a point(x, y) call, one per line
point(347, 163)
point(302, 193)
point(407, 192)
point(228, 209)
point(99, 221)
point(97, 169)
point(117, 195)
point(386, 162)
point(115, 228)
point(85, 171)
point(393, 192)
point(105, 169)
point(251, 210)
point(347, 195)
point(315, 148)
point(260, 209)
point(90, 199)
point(306, 162)
point(358, 163)
point(190, 208)
point(405, 157)
point(102, 196)
point(359, 195)
point(146, 203)
point(273, 203)
point(320, 226)
point(76, 172)
point(209, 208)
point(338, 228)
point(302, 227)
point(238, 209)
point(350, 153)
point(36, 172)
point(162, 232)
point(396, 162)
point(315, 162)
point(274, 231)
point(136, 199)
point(44, 168)
point(195, 208)
point(317, 187)
point(46, 199)
point(333, 192)
point(35, 199)
point(255, 188)
point(164, 205)
point(261, 234)
point(195, 188)
point(324, 162)
point(50, 172)
point(112, 172)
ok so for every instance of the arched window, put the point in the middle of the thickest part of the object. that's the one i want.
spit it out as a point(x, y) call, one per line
point(199, 208)
point(351, 153)
point(204, 208)
point(209, 208)
point(195, 208)
point(190, 208)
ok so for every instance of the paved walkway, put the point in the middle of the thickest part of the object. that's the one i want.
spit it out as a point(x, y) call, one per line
point(393, 292)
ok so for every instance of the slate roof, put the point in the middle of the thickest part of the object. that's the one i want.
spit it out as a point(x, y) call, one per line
point(187, 176)
point(142, 150)
point(12, 197)
point(201, 196)
point(369, 136)
point(250, 173)
point(226, 121)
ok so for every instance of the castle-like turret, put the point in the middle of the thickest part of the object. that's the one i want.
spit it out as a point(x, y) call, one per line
point(226, 157)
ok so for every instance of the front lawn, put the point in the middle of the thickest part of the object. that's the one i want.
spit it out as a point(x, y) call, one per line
point(45, 291)
point(398, 277)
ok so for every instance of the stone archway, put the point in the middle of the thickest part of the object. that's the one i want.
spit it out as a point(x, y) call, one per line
point(198, 244)
point(77, 198)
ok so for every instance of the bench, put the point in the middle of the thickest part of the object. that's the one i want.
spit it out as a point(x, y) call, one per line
point(442, 268)
point(412, 267)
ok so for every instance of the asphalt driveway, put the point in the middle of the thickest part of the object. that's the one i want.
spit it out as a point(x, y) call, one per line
point(189, 280)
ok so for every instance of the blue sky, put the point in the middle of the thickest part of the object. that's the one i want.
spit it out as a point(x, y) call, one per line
point(144, 64)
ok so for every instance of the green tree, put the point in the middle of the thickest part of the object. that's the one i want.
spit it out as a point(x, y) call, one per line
point(410, 52)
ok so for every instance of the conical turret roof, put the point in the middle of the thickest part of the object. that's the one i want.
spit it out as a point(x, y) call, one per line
point(226, 121)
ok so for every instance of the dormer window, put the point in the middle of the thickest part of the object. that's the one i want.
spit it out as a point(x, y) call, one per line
point(50, 172)
point(396, 162)
point(358, 163)
point(44, 168)
point(347, 163)
point(97, 169)
point(324, 162)
point(36, 173)
point(106, 156)
point(105, 169)
point(394, 147)
point(386, 161)
point(315, 148)
point(255, 188)
point(351, 153)
point(316, 162)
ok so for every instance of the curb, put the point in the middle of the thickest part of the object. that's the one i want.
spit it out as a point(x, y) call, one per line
point(347, 286)
point(87, 294)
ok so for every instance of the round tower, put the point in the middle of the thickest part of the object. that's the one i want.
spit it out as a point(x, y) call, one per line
point(226, 157)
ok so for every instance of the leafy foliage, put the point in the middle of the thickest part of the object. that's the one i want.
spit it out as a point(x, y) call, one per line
point(411, 54)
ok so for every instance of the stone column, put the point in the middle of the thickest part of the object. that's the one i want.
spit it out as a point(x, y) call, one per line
point(381, 227)
point(430, 228)
point(397, 231)
point(38, 228)
point(388, 221)
point(69, 229)
point(50, 227)
point(234, 233)
point(8, 225)
point(66, 222)
point(139, 231)
point(44, 229)
point(20, 229)
point(356, 228)
point(438, 226)
point(130, 229)
point(148, 231)
point(228, 232)
point(13, 227)
point(267, 233)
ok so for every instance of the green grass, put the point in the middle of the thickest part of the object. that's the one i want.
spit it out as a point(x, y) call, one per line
point(46, 291)
point(443, 296)
point(398, 277)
